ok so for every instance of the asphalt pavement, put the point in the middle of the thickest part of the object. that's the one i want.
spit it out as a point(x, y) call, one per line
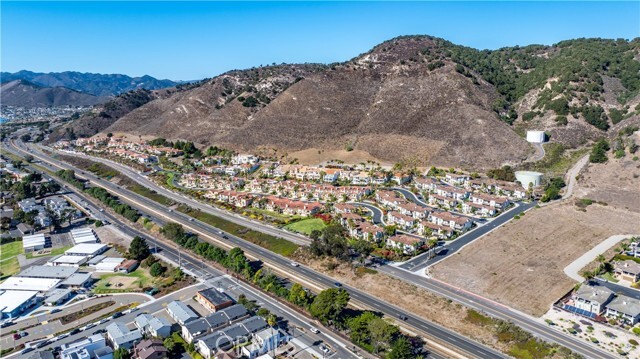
point(451, 247)
point(469, 346)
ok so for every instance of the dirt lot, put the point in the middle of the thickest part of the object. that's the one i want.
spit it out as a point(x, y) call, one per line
point(616, 182)
point(109, 234)
point(521, 264)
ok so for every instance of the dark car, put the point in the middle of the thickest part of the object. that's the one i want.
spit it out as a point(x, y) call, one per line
point(74, 332)
point(6, 324)
point(99, 331)
point(57, 310)
point(42, 344)
point(16, 336)
point(402, 317)
point(116, 315)
point(337, 284)
point(225, 236)
point(26, 350)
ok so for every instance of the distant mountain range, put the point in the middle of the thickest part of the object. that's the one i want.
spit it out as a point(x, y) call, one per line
point(23, 93)
point(95, 84)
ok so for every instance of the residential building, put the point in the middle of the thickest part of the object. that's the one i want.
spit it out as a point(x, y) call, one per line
point(592, 298)
point(180, 312)
point(624, 309)
point(200, 327)
point(150, 349)
point(90, 347)
point(627, 270)
point(213, 299)
point(121, 337)
point(157, 327)
point(407, 244)
point(262, 342)
point(230, 336)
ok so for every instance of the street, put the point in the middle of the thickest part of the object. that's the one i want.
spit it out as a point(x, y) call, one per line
point(303, 274)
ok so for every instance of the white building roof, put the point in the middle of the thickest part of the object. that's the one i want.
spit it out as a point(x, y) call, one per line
point(78, 231)
point(69, 259)
point(33, 240)
point(88, 249)
point(85, 238)
point(10, 300)
point(29, 284)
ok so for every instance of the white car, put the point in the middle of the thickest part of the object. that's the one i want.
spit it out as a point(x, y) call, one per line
point(314, 330)
point(295, 264)
point(324, 349)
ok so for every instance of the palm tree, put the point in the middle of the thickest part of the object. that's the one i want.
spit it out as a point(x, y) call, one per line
point(272, 320)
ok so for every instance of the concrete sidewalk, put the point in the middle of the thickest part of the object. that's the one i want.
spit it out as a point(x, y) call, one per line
point(573, 269)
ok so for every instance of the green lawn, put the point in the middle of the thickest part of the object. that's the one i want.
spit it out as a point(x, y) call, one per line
point(54, 252)
point(10, 250)
point(306, 226)
point(142, 276)
point(608, 276)
point(9, 258)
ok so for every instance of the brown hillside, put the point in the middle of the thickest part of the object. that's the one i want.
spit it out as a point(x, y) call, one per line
point(389, 103)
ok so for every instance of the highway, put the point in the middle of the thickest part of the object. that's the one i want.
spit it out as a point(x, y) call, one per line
point(180, 198)
point(281, 264)
point(205, 271)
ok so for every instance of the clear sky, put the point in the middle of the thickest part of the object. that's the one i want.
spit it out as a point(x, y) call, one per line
point(187, 41)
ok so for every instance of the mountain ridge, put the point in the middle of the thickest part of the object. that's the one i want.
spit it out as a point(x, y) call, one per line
point(412, 99)
point(23, 93)
point(92, 83)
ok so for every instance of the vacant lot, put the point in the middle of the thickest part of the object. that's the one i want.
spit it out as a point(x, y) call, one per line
point(616, 183)
point(521, 264)
point(306, 226)
point(120, 282)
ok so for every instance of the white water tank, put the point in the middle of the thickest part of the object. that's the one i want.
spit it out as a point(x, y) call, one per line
point(526, 177)
point(536, 136)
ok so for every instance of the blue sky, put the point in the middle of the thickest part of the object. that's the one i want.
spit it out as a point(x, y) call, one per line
point(185, 41)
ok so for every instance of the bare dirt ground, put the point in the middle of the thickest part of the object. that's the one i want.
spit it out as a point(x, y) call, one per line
point(108, 234)
point(315, 156)
point(521, 263)
point(616, 183)
point(404, 295)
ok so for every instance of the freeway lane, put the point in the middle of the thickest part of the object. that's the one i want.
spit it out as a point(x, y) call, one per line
point(489, 307)
point(231, 217)
point(205, 271)
point(282, 264)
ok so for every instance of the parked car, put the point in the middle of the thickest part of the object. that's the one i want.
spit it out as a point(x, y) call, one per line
point(27, 350)
point(74, 331)
point(99, 331)
point(116, 315)
point(7, 324)
point(57, 310)
point(23, 334)
point(16, 336)
point(42, 344)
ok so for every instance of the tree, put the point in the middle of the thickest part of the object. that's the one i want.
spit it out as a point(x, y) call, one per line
point(599, 152)
point(329, 304)
point(177, 273)
point(359, 327)
point(157, 269)
point(400, 349)
point(109, 135)
point(121, 353)
point(170, 344)
point(173, 231)
point(139, 249)
point(381, 332)
point(298, 296)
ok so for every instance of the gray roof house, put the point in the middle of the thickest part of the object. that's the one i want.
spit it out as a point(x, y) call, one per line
point(121, 337)
point(180, 312)
point(592, 298)
point(220, 319)
point(209, 345)
point(624, 308)
point(154, 326)
point(626, 270)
